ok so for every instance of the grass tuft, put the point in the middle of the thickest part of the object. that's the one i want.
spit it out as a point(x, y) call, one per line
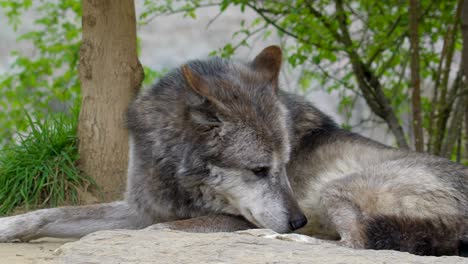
point(40, 169)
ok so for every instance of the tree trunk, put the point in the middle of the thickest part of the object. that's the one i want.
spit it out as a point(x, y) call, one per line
point(456, 121)
point(110, 75)
point(464, 30)
point(443, 107)
point(415, 78)
point(466, 132)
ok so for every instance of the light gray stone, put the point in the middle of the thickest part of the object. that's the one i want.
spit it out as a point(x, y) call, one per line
point(252, 246)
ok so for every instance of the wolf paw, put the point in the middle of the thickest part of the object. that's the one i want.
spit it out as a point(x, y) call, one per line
point(14, 229)
point(8, 236)
point(5, 231)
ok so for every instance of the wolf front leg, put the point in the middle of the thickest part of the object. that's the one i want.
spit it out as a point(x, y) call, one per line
point(68, 222)
point(207, 224)
point(344, 214)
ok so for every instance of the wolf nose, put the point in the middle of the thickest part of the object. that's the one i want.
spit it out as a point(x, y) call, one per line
point(298, 222)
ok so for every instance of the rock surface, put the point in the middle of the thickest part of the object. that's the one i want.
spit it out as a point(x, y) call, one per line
point(252, 246)
point(37, 252)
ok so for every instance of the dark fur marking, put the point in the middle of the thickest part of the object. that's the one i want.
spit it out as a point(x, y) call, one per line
point(416, 236)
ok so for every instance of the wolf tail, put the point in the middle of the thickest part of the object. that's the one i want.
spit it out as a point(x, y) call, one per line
point(416, 236)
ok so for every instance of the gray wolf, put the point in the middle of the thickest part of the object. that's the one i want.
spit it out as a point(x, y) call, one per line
point(215, 145)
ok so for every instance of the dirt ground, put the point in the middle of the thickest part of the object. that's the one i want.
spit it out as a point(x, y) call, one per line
point(36, 252)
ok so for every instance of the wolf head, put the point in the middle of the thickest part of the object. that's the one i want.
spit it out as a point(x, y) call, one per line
point(235, 112)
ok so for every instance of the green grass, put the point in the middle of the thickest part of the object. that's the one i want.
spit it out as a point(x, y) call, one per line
point(40, 169)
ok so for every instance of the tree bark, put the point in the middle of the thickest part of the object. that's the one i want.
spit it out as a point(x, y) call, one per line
point(456, 122)
point(415, 77)
point(110, 75)
point(466, 132)
point(464, 30)
point(443, 108)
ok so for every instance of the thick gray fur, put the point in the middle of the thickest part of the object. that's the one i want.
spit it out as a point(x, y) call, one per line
point(229, 143)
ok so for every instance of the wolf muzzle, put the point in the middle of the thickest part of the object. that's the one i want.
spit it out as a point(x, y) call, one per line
point(296, 218)
point(297, 222)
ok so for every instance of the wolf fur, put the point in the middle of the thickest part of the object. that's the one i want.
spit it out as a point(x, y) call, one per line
point(215, 145)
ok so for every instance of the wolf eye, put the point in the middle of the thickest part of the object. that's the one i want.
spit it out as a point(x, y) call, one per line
point(205, 119)
point(261, 172)
point(214, 119)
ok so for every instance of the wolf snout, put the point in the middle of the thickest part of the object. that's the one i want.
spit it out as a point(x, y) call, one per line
point(297, 222)
point(295, 215)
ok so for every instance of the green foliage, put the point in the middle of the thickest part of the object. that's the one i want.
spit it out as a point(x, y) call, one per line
point(40, 170)
point(47, 80)
point(152, 7)
point(50, 76)
point(316, 41)
point(151, 75)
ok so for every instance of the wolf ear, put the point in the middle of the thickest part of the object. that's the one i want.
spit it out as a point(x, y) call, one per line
point(269, 62)
point(200, 87)
point(195, 82)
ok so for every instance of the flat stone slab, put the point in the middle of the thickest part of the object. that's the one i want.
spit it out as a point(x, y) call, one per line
point(251, 246)
point(40, 251)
